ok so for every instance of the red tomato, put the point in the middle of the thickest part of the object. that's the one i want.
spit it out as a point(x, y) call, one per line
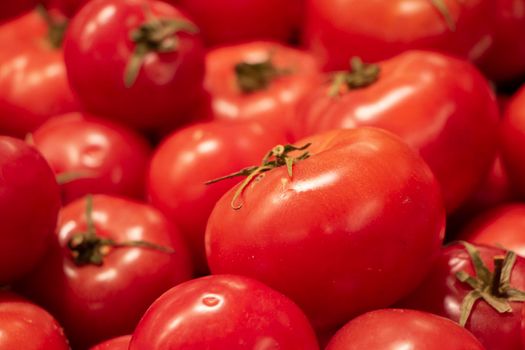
point(24, 325)
point(428, 99)
point(337, 30)
point(33, 81)
point(223, 312)
point(119, 343)
point(362, 215)
point(9, 9)
point(67, 7)
point(443, 293)
point(137, 61)
point(192, 156)
point(100, 289)
point(91, 155)
point(228, 21)
point(259, 80)
point(396, 329)
point(29, 203)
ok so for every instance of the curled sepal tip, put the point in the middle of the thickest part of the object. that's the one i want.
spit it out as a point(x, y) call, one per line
point(360, 75)
point(445, 12)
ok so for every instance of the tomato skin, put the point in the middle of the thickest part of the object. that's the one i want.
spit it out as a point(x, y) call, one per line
point(274, 104)
point(391, 28)
point(391, 329)
point(442, 293)
point(27, 326)
point(317, 237)
point(33, 81)
point(66, 7)
point(223, 312)
point(108, 300)
point(194, 155)
point(429, 100)
point(29, 202)
point(10, 9)
point(97, 53)
point(113, 157)
point(119, 343)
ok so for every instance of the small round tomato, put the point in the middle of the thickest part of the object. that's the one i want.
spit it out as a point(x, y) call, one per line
point(138, 61)
point(480, 287)
point(29, 203)
point(119, 343)
point(111, 258)
point(92, 155)
point(399, 329)
point(189, 158)
point(223, 312)
point(9, 9)
point(429, 100)
point(376, 30)
point(344, 216)
point(259, 80)
point(24, 325)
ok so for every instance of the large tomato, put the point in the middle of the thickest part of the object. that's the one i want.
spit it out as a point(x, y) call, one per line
point(24, 325)
point(33, 81)
point(189, 158)
point(259, 80)
point(353, 225)
point(337, 30)
point(119, 343)
point(29, 203)
point(223, 312)
point(441, 106)
point(92, 155)
point(397, 329)
point(138, 61)
point(102, 273)
point(9, 9)
point(480, 287)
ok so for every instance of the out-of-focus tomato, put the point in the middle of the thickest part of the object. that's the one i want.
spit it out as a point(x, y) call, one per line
point(337, 30)
point(92, 155)
point(110, 260)
point(354, 227)
point(66, 7)
point(223, 312)
point(119, 343)
point(441, 106)
point(9, 9)
point(29, 203)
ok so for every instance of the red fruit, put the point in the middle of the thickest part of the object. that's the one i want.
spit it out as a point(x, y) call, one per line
point(119, 343)
point(9, 9)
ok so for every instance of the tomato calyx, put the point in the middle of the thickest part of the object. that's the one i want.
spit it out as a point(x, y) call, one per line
point(70, 176)
point(279, 156)
point(444, 11)
point(493, 287)
point(56, 29)
point(87, 248)
point(360, 75)
point(252, 77)
point(154, 35)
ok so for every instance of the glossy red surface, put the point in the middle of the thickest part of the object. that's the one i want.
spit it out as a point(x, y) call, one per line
point(120, 343)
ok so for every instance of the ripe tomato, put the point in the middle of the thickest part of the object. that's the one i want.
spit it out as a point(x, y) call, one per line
point(33, 81)
point(97, 288)
point(376, 30)
point(92, 155)
point(259, 80)
point(428, 99)
point(188, 158)
point(138, 61)
point(66, 7)
point(9, 9)
point(399, 329)
point(29, 203)
point(361, 215)
point(119, 343)
point(223, 312)
point(24, 325)
point(443, 293)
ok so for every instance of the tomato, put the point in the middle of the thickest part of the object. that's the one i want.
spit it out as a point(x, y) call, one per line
point(97, 288)
point(361, 214)
point(194, 155)
point(33, 81)
point(67, 7)
point(402, 329)
point(92, 155)
point(9, 9)
point(428, 99)
point(337, 30)
point(443, 293)
point(259, 80)
point(29, 203)
point(142, 64)
point(24, 325)
point(119, 343)
point(223, 312)
point(228, 21)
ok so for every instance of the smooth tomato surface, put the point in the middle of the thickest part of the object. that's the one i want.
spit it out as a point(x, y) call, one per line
point(362, 215)
point(9, 9)
point(223, 312)
point(119, 343)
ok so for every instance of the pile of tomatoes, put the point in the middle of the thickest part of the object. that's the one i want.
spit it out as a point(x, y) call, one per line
point(262, 174)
